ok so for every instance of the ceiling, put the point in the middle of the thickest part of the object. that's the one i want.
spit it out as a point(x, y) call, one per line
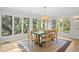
point(50, 11)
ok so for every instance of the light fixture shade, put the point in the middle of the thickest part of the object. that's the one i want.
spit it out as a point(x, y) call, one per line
point(76, 17)
point(45, 18)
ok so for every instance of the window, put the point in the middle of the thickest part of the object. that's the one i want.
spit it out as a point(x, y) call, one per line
point(34, 24)
point(54, 24)
point(39, 25)
point(67, 24)
point(17, 25)
point(64, 24)
point(6, 25)
point(42, 25)
point(60, 23)
point(25, 25)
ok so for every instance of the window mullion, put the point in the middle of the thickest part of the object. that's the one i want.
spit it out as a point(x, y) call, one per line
point(56, 23)
point(31, 24)
point(13, 25)
point(22, 25)
point(63, 25)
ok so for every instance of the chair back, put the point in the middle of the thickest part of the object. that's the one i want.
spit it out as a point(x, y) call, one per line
point(55, 34)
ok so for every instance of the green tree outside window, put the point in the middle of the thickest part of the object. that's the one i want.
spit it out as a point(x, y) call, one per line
point(67, 24)
point(17, 25)
point(6, 25)
point(25, 25)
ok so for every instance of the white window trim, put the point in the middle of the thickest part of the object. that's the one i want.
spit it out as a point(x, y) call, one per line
point(0, 26)
point(56, 23)
point(62, 24)
point(22, 25)
point(12, 25)
point(30, 24)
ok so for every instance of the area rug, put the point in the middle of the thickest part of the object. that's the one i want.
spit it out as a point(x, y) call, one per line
point(54, 46)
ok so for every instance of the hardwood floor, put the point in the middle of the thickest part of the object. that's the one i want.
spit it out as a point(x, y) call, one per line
point(9, 47)
point(12, 46)
point(74, 46)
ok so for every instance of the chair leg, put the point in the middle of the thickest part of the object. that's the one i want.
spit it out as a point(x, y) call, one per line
point(47, 43)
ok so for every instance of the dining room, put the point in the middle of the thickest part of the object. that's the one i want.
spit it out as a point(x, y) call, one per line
point(46, 29)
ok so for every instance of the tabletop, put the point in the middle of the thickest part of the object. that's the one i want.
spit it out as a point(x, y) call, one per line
point(39, 32)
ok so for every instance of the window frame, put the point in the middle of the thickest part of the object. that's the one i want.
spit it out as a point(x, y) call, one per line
point(1, 24)
point(23, 24)
point(63, 25)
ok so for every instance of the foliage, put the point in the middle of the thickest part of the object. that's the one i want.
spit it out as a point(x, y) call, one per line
point(25, 25)
point(67, 24)
point(17, 25)
point(6, 25)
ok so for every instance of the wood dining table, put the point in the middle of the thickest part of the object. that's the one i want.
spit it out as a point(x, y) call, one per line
point(39, 34)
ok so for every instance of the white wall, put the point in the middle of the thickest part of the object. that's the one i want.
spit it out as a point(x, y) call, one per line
point(15, 12)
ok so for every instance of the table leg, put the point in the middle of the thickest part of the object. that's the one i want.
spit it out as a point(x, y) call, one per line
point(40, 43)
point(39, 40)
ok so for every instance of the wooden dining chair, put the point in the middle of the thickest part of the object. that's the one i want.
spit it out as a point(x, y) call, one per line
point(50, 35)
point(32, 38)
point(54, 34)
point(47, 38)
